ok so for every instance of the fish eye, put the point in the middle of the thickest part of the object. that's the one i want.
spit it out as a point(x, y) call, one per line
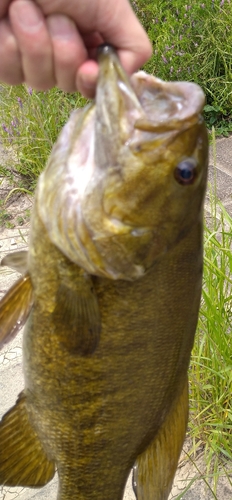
point(186, 171)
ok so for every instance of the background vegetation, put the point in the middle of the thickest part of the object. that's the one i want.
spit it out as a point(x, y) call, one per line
point(30, 124)
point(211, 364)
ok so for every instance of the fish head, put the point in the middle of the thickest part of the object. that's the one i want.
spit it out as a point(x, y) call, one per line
point(127, 177)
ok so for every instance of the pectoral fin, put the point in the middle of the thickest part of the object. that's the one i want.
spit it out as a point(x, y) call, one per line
point(14, 309)
point(155, 468)
point(22, 459)
point(77, 309)
point(16, 261)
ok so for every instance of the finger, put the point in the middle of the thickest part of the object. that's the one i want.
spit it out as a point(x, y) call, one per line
point(116, 22)
point(86, 78)
point(10, 59)
point(68, 50)
point(131, 60)
point(30, 30)
point(4, 4)
point(124, 31)
point(92, 41)
point(87, 74)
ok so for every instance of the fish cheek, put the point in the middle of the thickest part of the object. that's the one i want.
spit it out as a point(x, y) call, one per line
point(77, 319)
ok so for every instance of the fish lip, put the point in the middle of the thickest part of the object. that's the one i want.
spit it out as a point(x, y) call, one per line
point(107, 55)
point(105, 49)
point(117, 93)
point(117, 108)
point(139, 82)
point(111, 70)
point(190, 94)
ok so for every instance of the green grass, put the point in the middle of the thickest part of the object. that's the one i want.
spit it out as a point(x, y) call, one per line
point(211, 365)
point(30, 124)
point(210, 374)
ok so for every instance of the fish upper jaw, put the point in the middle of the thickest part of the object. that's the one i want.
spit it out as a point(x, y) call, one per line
point(117, 109)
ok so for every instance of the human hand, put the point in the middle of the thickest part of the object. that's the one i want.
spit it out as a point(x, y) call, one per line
point(53, 42)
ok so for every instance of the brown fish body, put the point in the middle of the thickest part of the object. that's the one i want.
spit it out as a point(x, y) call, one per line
point(96, 396)
point(96, 413)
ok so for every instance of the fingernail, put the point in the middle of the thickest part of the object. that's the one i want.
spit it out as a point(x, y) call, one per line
point(60, 26)
point(28, 15)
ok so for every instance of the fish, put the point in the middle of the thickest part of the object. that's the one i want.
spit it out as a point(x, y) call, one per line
point(110, 293)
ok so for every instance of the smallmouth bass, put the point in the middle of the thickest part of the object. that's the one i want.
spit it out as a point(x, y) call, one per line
point(110, 289)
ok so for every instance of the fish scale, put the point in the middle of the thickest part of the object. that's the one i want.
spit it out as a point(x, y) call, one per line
point(111, 294)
